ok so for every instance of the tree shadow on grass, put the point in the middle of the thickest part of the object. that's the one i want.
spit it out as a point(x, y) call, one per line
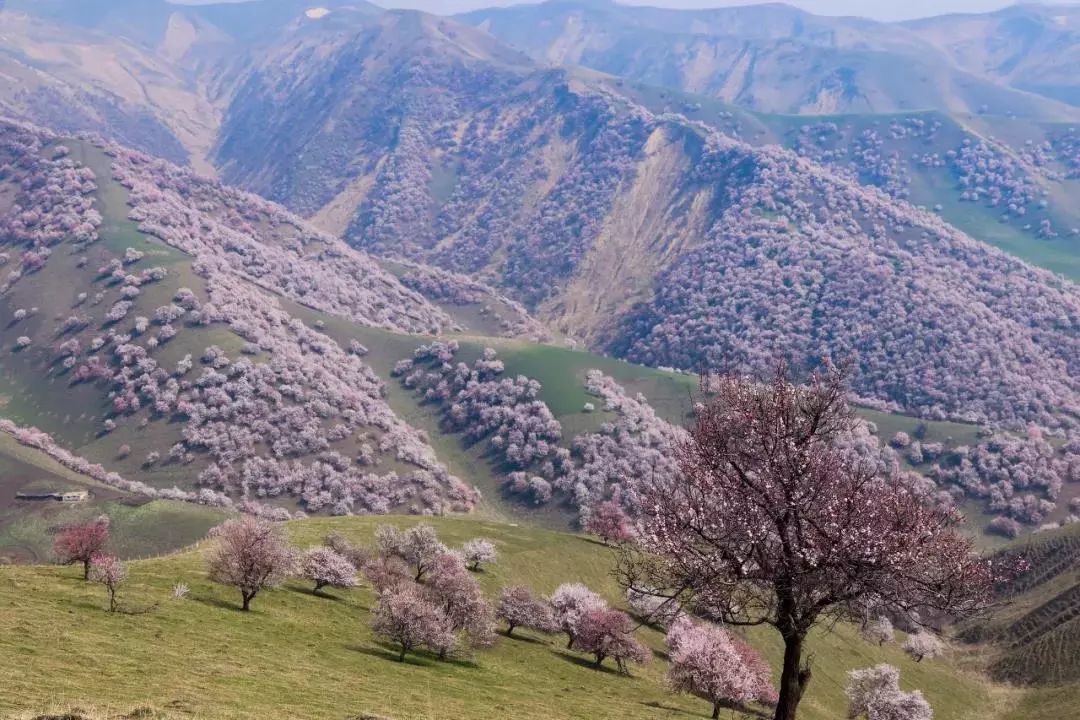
point(522, 638)
point(416, 658)
point(308, 592)
point(655, 704)
point(385, 652)
point(219, 603)
point(586, 663)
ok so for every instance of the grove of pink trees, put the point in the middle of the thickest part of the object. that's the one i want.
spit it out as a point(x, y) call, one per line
point(801, 265)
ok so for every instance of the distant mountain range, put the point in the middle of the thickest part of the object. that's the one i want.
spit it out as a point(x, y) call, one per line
point(775, 58)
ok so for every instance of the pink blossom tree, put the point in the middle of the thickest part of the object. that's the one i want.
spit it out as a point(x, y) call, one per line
point(419, 546)
point(468, 618)
point(108, 571)
point(923, 644)
point(406, 618)
point(706, 661)
point(605, 633)
point(250, 555)
point(816, 530)
point(324, 566)
point(82, 543)
point(610, 522)
point(518, 607)
point(569, 603)
point(875, 694)
point(479, 551)
point(385, 573)
point(879, 631)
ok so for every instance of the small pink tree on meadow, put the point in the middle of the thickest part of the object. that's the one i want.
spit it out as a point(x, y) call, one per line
point(569, 603)
point(879, 631)
point(605, 633)
point(404, 617)
point(250, 555)
point(82, 543)
point(875, 694)
point(923, 644)
point(711, 663)
point(325, 567)
point(479, 551)
point(609, 522)
point(518, 607)
point(108, 571)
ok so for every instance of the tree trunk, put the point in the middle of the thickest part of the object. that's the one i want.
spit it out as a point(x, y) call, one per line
point(715, 711)
point(112, 600)
point(247, 600)
point(401, 655)
point(570, 642)
point(793, 678)
point(86, 569)
point(510, 630)
point(319, 585)
point(599, 661)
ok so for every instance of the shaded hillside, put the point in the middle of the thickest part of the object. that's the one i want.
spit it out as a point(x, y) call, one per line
point(776, 58)
point(1038, 630)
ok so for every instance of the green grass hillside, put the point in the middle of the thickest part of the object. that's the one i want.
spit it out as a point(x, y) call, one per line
point(140, 528)
point(301, 655)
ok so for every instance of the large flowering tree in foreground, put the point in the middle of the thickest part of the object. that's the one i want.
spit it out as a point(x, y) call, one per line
point(771, 521)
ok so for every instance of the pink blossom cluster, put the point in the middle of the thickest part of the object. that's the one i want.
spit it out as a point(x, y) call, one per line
point(802, 265)
point(443, 286)
point(612, 464)
point(1019, 477)
point(241, 233)
point(54, 199)
point(476, 401)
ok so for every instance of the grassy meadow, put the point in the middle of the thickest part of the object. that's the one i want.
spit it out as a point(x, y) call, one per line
point(302, 655)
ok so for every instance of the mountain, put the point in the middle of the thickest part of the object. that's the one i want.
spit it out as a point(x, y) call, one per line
point(486, 195)
point(650, 236)
point(1030, 47)
point(167, 332)
point(775, 58)
point(152, 75)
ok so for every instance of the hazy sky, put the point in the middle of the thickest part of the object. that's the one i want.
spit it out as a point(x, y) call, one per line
point(878, 9)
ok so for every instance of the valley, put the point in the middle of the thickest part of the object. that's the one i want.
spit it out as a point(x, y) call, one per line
point(301, 271)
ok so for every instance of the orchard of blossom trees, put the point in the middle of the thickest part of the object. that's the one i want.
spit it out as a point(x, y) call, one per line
point(293, 414)
point(603, 469)
point(801, 265)
point(789, 258)
point(232, 231)
point(53, 202)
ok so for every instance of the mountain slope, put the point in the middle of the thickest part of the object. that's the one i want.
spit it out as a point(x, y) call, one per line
point(171, 338)
point(1031, 47)
point(647, 235)
point(767, 57)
